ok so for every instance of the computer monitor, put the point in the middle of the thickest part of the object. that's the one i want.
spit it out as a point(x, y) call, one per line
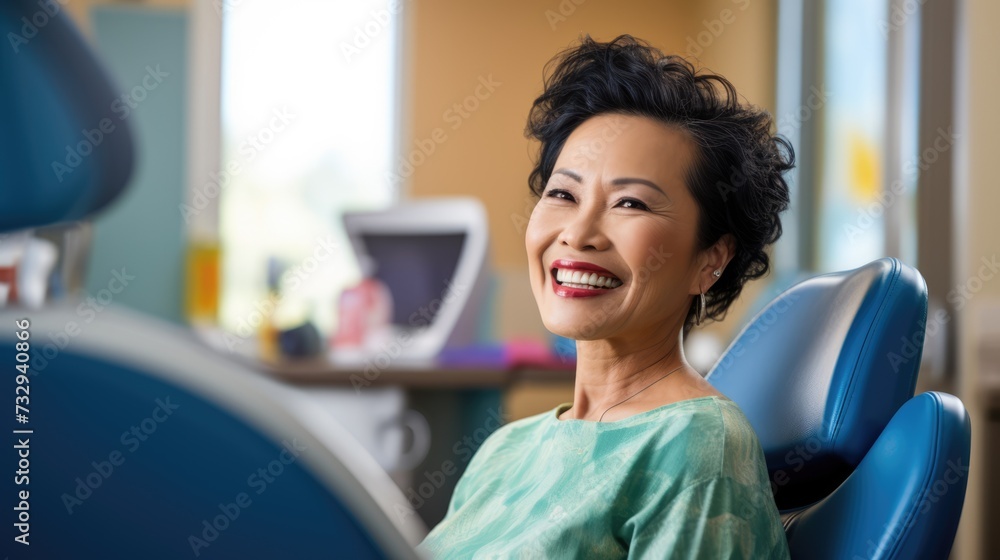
point(432, 255)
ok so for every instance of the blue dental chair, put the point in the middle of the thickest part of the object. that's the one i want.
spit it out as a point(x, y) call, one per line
point(859, 467)
point(135, 440)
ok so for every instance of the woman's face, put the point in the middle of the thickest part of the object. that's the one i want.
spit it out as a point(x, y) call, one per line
point(617, 201)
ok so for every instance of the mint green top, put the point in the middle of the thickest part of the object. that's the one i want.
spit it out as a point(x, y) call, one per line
point(685, 480)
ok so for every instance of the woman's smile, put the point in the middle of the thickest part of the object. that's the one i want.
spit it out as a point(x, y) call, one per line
point(575, 279)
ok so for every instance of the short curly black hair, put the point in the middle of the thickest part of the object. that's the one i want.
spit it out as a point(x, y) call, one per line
point(737, 178)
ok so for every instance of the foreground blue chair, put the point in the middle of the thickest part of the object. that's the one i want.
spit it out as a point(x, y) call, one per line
point(136, 440)
point(146, 443)
point(859, 467)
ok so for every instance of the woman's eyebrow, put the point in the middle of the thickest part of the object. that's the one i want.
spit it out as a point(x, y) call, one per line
point(621, 181)
point(634, 180)
point(572, 175)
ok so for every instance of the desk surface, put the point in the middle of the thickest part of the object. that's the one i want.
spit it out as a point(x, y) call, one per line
point(321, 371)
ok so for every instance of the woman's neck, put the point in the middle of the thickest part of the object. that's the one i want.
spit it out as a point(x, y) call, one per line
point(609, 372)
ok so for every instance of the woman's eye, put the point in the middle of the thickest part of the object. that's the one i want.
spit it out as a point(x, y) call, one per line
point(633, 204)
point(559, 193)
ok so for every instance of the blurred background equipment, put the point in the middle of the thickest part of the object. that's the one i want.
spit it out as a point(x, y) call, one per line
point(433, 257)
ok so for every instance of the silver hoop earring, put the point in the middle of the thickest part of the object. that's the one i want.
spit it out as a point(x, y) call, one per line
point(701, 311)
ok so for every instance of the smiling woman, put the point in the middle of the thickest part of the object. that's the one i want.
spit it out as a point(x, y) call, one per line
point(658, 193)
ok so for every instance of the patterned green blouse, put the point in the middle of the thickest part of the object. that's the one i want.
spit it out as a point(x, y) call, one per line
point(685, 480)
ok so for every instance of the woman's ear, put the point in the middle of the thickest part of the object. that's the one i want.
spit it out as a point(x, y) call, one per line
point(714, 258)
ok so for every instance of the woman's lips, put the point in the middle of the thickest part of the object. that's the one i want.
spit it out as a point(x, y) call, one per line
point(564, 269)
point(580, 265)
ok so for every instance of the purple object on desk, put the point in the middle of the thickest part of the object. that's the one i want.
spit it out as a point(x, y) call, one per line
point(521, 352)
point(477, 355)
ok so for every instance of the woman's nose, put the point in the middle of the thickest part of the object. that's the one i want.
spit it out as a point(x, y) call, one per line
point(584, 231)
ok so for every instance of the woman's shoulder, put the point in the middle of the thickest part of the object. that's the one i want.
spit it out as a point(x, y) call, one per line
point(741, 455)
point(742, 452)
point(513, 434)
point(712, 437)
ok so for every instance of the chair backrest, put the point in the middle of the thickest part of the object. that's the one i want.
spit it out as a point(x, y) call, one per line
point(905, 498)
point(64, 151)
point(146, 443)
point(821, 370)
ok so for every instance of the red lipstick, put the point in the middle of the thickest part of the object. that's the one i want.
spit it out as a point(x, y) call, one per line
point(580, 265)
point(570, 292)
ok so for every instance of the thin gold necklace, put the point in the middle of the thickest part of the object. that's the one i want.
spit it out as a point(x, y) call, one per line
point(640, 390)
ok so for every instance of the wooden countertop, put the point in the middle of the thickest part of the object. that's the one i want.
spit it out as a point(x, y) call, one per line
point(322, 372)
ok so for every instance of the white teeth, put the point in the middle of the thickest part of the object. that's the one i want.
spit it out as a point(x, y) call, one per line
point(576, 278)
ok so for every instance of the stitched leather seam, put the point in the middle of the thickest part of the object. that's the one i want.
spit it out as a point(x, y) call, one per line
point(866, 348)
point(925, 487)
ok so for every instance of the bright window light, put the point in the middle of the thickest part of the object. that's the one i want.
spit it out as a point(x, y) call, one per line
point(309, 119)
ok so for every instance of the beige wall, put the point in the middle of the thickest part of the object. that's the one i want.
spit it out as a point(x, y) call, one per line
point(452, 44)
point(979, 237)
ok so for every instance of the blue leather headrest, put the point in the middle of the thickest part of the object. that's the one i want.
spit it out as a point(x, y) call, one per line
point(905, 498)
point(64, 150)
point(821, 370)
